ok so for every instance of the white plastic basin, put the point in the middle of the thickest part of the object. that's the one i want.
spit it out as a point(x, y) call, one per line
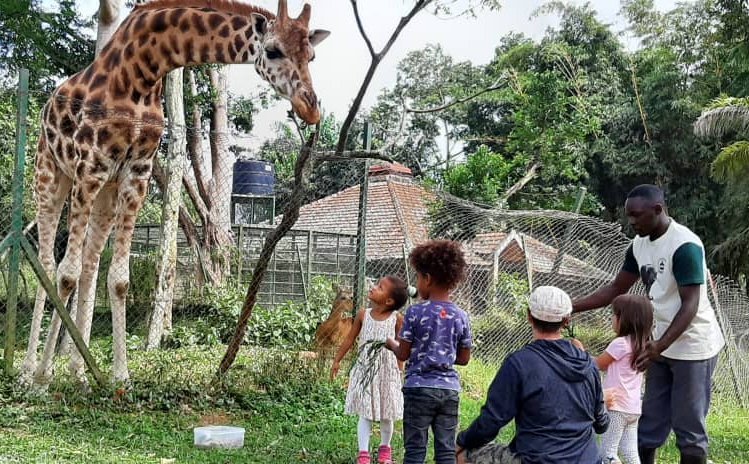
point(219, 436)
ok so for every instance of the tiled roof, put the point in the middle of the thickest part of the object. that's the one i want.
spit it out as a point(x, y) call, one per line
point(396, 215)
point(542, 256)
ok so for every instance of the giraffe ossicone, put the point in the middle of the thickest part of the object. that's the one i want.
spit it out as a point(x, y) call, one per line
point(101, 129)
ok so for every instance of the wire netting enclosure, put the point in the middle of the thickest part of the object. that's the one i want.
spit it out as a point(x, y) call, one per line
point(337, 245)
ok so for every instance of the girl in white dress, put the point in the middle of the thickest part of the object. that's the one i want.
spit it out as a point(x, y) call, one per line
point(378, 397)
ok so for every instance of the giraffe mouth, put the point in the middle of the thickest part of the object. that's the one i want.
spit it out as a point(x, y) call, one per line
point(305, 106)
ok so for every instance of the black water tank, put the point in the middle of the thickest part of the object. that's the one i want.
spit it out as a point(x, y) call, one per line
point(253, 177)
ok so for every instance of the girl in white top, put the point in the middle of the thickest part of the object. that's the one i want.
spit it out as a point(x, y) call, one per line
point(633, 324)
point(377, 397)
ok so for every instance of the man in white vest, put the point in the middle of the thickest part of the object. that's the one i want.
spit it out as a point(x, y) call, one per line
point(681, 358)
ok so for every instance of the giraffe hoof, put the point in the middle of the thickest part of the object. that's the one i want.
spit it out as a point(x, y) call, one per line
point(84, 386)
point(121, 381)
point(43, 378)
point(40, 387)
point(26, 379)
point(81, 381)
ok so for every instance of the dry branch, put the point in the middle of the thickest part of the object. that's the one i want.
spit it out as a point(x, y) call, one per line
point(290, 216)
point(496, 86)
point(376, 58)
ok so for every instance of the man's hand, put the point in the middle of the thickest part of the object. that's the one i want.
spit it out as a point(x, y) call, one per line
point(460, 455)
point(651, 353)
point(334, 370)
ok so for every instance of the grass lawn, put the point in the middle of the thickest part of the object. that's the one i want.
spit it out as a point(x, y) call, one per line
point(289, 413)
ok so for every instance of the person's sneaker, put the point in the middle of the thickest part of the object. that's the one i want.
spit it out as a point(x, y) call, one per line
point(363, 458)
point(385, 455)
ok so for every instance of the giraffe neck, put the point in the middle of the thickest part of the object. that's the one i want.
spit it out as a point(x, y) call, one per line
point(150, 43)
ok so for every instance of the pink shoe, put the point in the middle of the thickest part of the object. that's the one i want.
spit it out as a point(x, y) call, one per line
point(363, 458)
point(385, 455)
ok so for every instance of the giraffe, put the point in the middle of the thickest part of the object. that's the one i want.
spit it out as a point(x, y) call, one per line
point(101, 129)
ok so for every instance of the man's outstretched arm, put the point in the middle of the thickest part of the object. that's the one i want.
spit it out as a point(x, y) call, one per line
point(621, 284)
point(606, 294)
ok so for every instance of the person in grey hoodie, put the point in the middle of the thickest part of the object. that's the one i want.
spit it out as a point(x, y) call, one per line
point(553, 391)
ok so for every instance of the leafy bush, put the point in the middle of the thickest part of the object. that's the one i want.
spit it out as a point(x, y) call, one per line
point(290, 325)
point(321, 296)
point(142, 286)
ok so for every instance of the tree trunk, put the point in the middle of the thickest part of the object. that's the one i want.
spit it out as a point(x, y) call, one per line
point(161, 317)
point(218, 238)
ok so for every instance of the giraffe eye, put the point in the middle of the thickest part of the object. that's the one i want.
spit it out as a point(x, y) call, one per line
point(273, 53)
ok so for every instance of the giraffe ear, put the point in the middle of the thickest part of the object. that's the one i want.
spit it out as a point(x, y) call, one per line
point(317, 35)
point(260, 23)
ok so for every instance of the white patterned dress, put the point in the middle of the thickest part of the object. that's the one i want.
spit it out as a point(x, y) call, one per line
point(382, 397)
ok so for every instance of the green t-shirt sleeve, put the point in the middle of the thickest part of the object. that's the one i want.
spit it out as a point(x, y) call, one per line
point(687, 267)
point(630, 263)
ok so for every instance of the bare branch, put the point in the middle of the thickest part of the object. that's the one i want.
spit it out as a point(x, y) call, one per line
point(290, 216)
point(443, 162)
point(376, 58)
point(643, 115)
point(486, 138)
point(361, 29)
point(333, 155)
point(399, 134)
point(299, 129)
point(496, 86)
point(518, 186)
point(185, 221)
point(192, 192)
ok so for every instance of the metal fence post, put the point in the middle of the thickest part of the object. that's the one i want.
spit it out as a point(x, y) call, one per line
point(361, 235)
point(17, 219)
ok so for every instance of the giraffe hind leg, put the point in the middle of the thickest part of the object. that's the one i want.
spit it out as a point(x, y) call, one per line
point(99, 227)
point(130, 198)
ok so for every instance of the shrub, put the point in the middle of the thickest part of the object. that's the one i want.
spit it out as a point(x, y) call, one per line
point(290, 325)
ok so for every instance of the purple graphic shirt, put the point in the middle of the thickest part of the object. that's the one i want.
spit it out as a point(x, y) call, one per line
point(436, 329)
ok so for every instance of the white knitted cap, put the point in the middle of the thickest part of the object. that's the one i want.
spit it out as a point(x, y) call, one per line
point(550, 304)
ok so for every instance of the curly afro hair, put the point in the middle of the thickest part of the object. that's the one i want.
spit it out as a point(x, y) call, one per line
point(442, 259)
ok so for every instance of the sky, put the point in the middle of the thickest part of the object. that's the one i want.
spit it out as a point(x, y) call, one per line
point(342, 59)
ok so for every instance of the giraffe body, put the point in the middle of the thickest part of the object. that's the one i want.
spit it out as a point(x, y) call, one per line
point(101, 129)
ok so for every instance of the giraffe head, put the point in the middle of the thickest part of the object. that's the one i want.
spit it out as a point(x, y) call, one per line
point(286, 48)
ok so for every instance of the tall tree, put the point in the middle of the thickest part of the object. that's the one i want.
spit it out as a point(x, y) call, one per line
point(50, 44)
point(166, 268)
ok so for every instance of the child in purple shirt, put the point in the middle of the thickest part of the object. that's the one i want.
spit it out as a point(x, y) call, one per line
point(436, 335)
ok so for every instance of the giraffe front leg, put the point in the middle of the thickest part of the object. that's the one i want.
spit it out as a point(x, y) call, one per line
point(99, 227)
point(84, 192)
point(131, 194)
point(51, 188)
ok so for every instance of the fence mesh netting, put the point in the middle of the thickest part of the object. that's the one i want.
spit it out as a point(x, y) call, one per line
point(228, 203)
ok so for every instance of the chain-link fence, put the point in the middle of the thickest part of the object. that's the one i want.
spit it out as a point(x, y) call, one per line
point(511, 252)
point(224, 207)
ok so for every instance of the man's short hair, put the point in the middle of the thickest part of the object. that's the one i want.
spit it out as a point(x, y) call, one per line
point(649, 192)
